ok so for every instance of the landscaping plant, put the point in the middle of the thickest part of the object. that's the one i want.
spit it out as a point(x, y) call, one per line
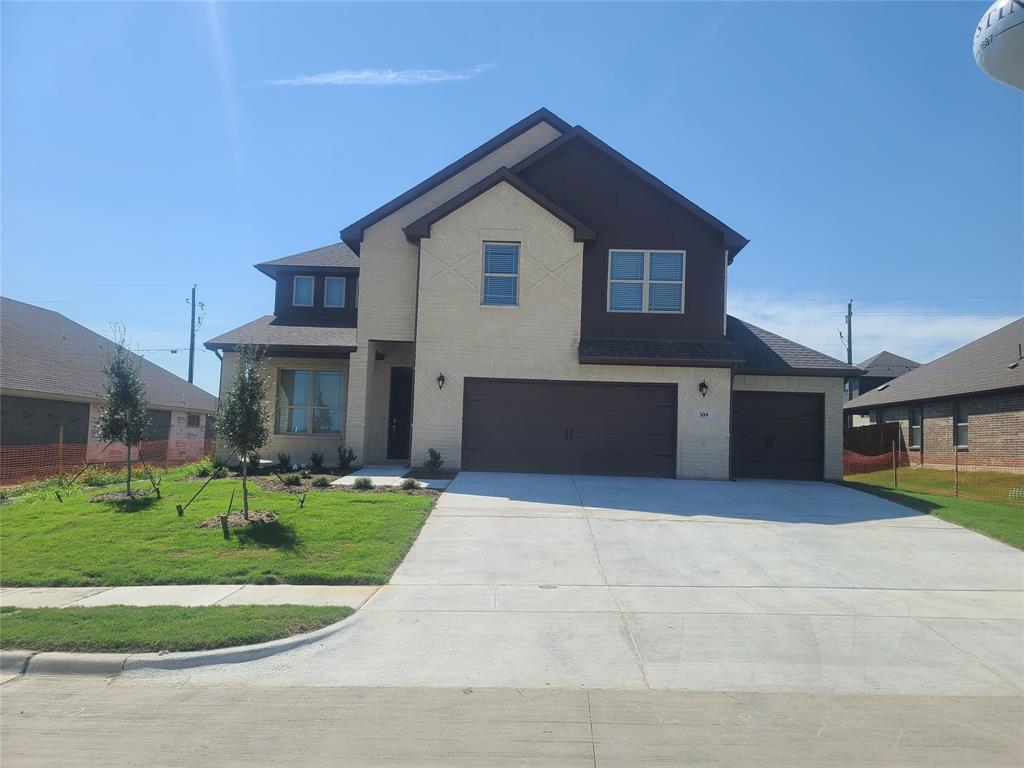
point(346, 458)
point(316, 461)
point(242, 413)
point(320, 481)
point(284, 462)
point(123, 418)
point(363, 484)
point(434, 460)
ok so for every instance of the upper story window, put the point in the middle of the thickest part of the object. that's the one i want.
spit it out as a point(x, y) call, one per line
point(334, 292)
point(915, 426)
point(961, 435)
point(646, 281)
point(501, 274)
point(302, 290)
point(309, 402)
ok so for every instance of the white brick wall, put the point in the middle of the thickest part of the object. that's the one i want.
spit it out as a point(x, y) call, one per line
point(832, 388)
point(536, 340)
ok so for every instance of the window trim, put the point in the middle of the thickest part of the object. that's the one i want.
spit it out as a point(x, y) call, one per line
point(344, 289)
point(484, 274)
point(645, 283)
point(966, 424)
point(919, 445)
point(310, 407)
point(312, 293)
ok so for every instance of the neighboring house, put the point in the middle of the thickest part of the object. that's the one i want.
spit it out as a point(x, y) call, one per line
point(542, 304)
point(969, 401)
point(51, 377)
point(878, 369)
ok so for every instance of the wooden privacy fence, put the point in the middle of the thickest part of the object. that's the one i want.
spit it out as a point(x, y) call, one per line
point(871, 440)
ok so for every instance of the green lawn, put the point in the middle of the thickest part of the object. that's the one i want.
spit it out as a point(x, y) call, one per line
point(120, 628)
point(998, 521)
point(982, 486)
point(337, 538)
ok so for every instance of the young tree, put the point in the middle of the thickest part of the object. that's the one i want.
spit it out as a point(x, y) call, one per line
point(123, 418)
point(243, 414)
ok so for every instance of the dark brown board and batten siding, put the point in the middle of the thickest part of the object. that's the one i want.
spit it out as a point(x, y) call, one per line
point(318, 313)
point(627, 212)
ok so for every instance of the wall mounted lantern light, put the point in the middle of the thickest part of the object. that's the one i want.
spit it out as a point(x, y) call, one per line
point(440, 381)
point(703, 389)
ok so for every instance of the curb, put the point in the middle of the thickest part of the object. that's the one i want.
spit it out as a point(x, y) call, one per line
point(113, 664)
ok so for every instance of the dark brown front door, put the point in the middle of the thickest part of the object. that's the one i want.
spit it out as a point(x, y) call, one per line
point(400, 413)
point(778, 435)
point(569, 427)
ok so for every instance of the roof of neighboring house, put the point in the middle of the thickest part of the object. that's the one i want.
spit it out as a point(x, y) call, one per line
point(989, 364)
point(767, 353)
point(421, 227)
point(733, 239)
point(43, 352)
point(887, 365)
point(334, 256)
point(353, 233)
point(282, 336)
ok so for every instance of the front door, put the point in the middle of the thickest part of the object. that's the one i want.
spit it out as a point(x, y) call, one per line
point(400, 414)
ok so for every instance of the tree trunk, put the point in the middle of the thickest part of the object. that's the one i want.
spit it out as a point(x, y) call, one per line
point(129, 469)
point(245, 490)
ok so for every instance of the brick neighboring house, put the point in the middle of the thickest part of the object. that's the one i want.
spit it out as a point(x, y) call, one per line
point(878, 369)
point(970, 401)
point(542, 304)
point(51, 377)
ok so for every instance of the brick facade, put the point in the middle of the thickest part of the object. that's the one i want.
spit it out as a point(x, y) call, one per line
point(995, 430)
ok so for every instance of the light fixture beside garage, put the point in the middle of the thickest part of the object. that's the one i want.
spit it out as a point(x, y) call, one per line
point(703, 388)
point(440, 381)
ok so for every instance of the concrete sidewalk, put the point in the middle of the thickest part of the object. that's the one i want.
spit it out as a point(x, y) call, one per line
point(189, 594)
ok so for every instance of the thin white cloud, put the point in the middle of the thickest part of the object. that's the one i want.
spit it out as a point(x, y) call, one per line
point(382, 77)
point(918, 332)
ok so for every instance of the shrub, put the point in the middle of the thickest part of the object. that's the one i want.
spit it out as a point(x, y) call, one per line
point(363, 484)
point(284, 462)
point(320, 481)
point(346, 458)
point(218, 463)
point(203, 470)
point(291, 479)
point(305, 474)
point(409, 484)
point(316, 461)
point(253, 463)
point(434, 460)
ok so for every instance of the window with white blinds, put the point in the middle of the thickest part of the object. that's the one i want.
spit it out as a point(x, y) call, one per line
point(501, 274)
point(646, 281)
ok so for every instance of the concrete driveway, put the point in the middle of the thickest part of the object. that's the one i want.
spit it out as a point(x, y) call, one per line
point(548, 580)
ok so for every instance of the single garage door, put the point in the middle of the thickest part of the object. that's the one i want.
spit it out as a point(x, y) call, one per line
point(569, 427)
point(778, 435)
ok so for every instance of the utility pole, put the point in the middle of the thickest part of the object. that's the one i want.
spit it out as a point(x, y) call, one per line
point(192, 337)
point(849, 331)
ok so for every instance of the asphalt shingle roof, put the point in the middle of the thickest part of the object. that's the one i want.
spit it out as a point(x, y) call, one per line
point(271, 332)
point(336, 255)
point(767, 353)
point(980, 366)
point(43, 351)
point(885, 363)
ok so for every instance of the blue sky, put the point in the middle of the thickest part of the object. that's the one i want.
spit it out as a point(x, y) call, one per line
point(146, 147)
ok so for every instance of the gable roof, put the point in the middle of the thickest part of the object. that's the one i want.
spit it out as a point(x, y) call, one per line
point(334, 256)
point(282, 335)
point(767, 353)
point(44, 352)
point(886, 364)
point(984, 365)
point(352, 235)
point(733, 239)
point(421, 227)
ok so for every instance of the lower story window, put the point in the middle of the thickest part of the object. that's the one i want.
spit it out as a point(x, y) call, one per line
point(193, 420)
point(961, 426)
point(309, 402)
point(915, 426)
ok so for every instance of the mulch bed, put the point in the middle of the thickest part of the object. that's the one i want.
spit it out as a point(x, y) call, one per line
point(271, 483)
point(236, 520)
point(120, 496)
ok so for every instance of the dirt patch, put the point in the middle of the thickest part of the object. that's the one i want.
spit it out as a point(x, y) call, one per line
point(235, 519)
point(121, 496)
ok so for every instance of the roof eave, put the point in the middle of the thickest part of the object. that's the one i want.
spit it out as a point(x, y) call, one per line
point(670, 362)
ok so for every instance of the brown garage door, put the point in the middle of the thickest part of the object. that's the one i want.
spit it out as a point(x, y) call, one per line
point(777, 435)
point(569, 427)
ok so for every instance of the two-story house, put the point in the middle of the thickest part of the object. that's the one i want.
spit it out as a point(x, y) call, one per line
point(543, 304)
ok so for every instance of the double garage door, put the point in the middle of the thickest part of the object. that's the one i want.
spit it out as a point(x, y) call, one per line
point(778, 435)
point(569, 427)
